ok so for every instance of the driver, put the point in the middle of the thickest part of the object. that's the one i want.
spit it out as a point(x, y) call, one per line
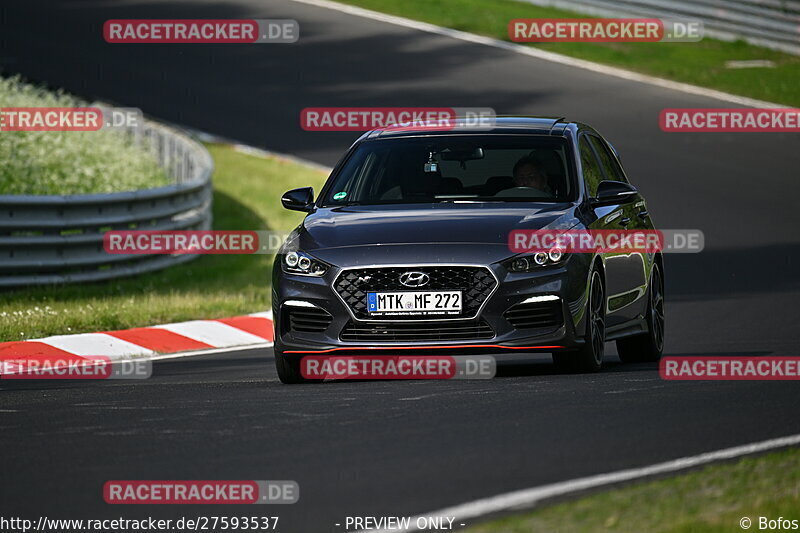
point(529, 173)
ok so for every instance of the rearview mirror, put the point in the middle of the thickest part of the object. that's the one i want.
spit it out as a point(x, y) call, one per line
point(301, 199)
point(614, 192)
point(462, 155)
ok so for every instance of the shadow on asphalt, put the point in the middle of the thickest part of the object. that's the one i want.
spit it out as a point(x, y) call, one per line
point(198, 366)
point(195, 366)
point(507, 369)
point(731, 273)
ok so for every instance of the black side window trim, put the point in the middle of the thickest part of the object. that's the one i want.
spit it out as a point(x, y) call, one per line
point(611, 155)
point(597, 161)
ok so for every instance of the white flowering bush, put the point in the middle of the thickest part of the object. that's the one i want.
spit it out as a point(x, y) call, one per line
point(55, 162)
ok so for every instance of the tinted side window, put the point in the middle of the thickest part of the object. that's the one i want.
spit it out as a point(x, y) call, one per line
point(592, 175)
point(610, 165)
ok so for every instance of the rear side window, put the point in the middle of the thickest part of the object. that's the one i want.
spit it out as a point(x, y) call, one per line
point(610, 166)
point(592, 175)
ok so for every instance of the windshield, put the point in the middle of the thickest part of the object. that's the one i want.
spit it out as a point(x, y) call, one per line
point(474, 168)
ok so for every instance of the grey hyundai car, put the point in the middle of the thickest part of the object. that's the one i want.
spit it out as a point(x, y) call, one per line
point(406, 246)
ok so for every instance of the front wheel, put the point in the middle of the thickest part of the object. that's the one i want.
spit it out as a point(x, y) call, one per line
point(589, 357)
point(288, 368)
point(647, 347)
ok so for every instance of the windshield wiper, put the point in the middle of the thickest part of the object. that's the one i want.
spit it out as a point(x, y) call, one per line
point(463, 201)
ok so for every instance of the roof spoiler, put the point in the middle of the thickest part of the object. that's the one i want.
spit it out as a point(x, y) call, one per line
point(556, 121)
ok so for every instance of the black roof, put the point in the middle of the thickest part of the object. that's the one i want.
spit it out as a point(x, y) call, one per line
point(498, 125)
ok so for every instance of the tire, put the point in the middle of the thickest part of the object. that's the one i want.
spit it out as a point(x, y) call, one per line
point(647, 347)
point(288, 369)
point(589, 357)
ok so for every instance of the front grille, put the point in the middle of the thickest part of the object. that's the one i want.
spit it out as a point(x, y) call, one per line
point(535, 315)
point(417, 332)
point(475, 284)
point(308, 319)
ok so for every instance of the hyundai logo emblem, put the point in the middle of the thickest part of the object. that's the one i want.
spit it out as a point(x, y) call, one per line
point(414, 279)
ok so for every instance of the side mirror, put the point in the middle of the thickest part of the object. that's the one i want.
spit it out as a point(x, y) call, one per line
point(301, 199)
point(614, 192)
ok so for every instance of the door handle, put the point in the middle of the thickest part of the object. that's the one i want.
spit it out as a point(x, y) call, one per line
point(625, 221)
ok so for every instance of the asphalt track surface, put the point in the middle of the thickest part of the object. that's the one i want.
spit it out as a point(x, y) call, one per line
point(404, 448)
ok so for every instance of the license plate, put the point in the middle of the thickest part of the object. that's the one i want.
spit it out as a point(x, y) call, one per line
point(414, 303)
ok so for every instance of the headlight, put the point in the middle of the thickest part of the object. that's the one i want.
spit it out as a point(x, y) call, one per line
point(303, 264)
point(530, 262)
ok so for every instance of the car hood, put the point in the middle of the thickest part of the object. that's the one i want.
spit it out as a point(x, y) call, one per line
point(435, 233)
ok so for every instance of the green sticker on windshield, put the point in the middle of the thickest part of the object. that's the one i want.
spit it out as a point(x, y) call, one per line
point(339, 195)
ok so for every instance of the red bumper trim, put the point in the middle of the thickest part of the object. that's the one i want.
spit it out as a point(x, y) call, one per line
point(428, 348)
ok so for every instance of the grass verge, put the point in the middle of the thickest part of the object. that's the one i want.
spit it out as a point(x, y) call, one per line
point(701, 63)
point(247, 189)
point(711, 500)
point(68, 162)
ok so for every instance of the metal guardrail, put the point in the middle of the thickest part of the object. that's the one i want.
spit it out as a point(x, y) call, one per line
point(59, 239)
point(770, 23)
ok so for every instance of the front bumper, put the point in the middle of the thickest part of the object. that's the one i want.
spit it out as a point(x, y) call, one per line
point(565, 282)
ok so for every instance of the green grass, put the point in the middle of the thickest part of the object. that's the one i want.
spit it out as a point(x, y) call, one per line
point(711, 500)
point(68, 162)
point(701, 63)
point(247, 189)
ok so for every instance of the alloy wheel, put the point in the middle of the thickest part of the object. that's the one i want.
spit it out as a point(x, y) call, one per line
point(597, 323)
